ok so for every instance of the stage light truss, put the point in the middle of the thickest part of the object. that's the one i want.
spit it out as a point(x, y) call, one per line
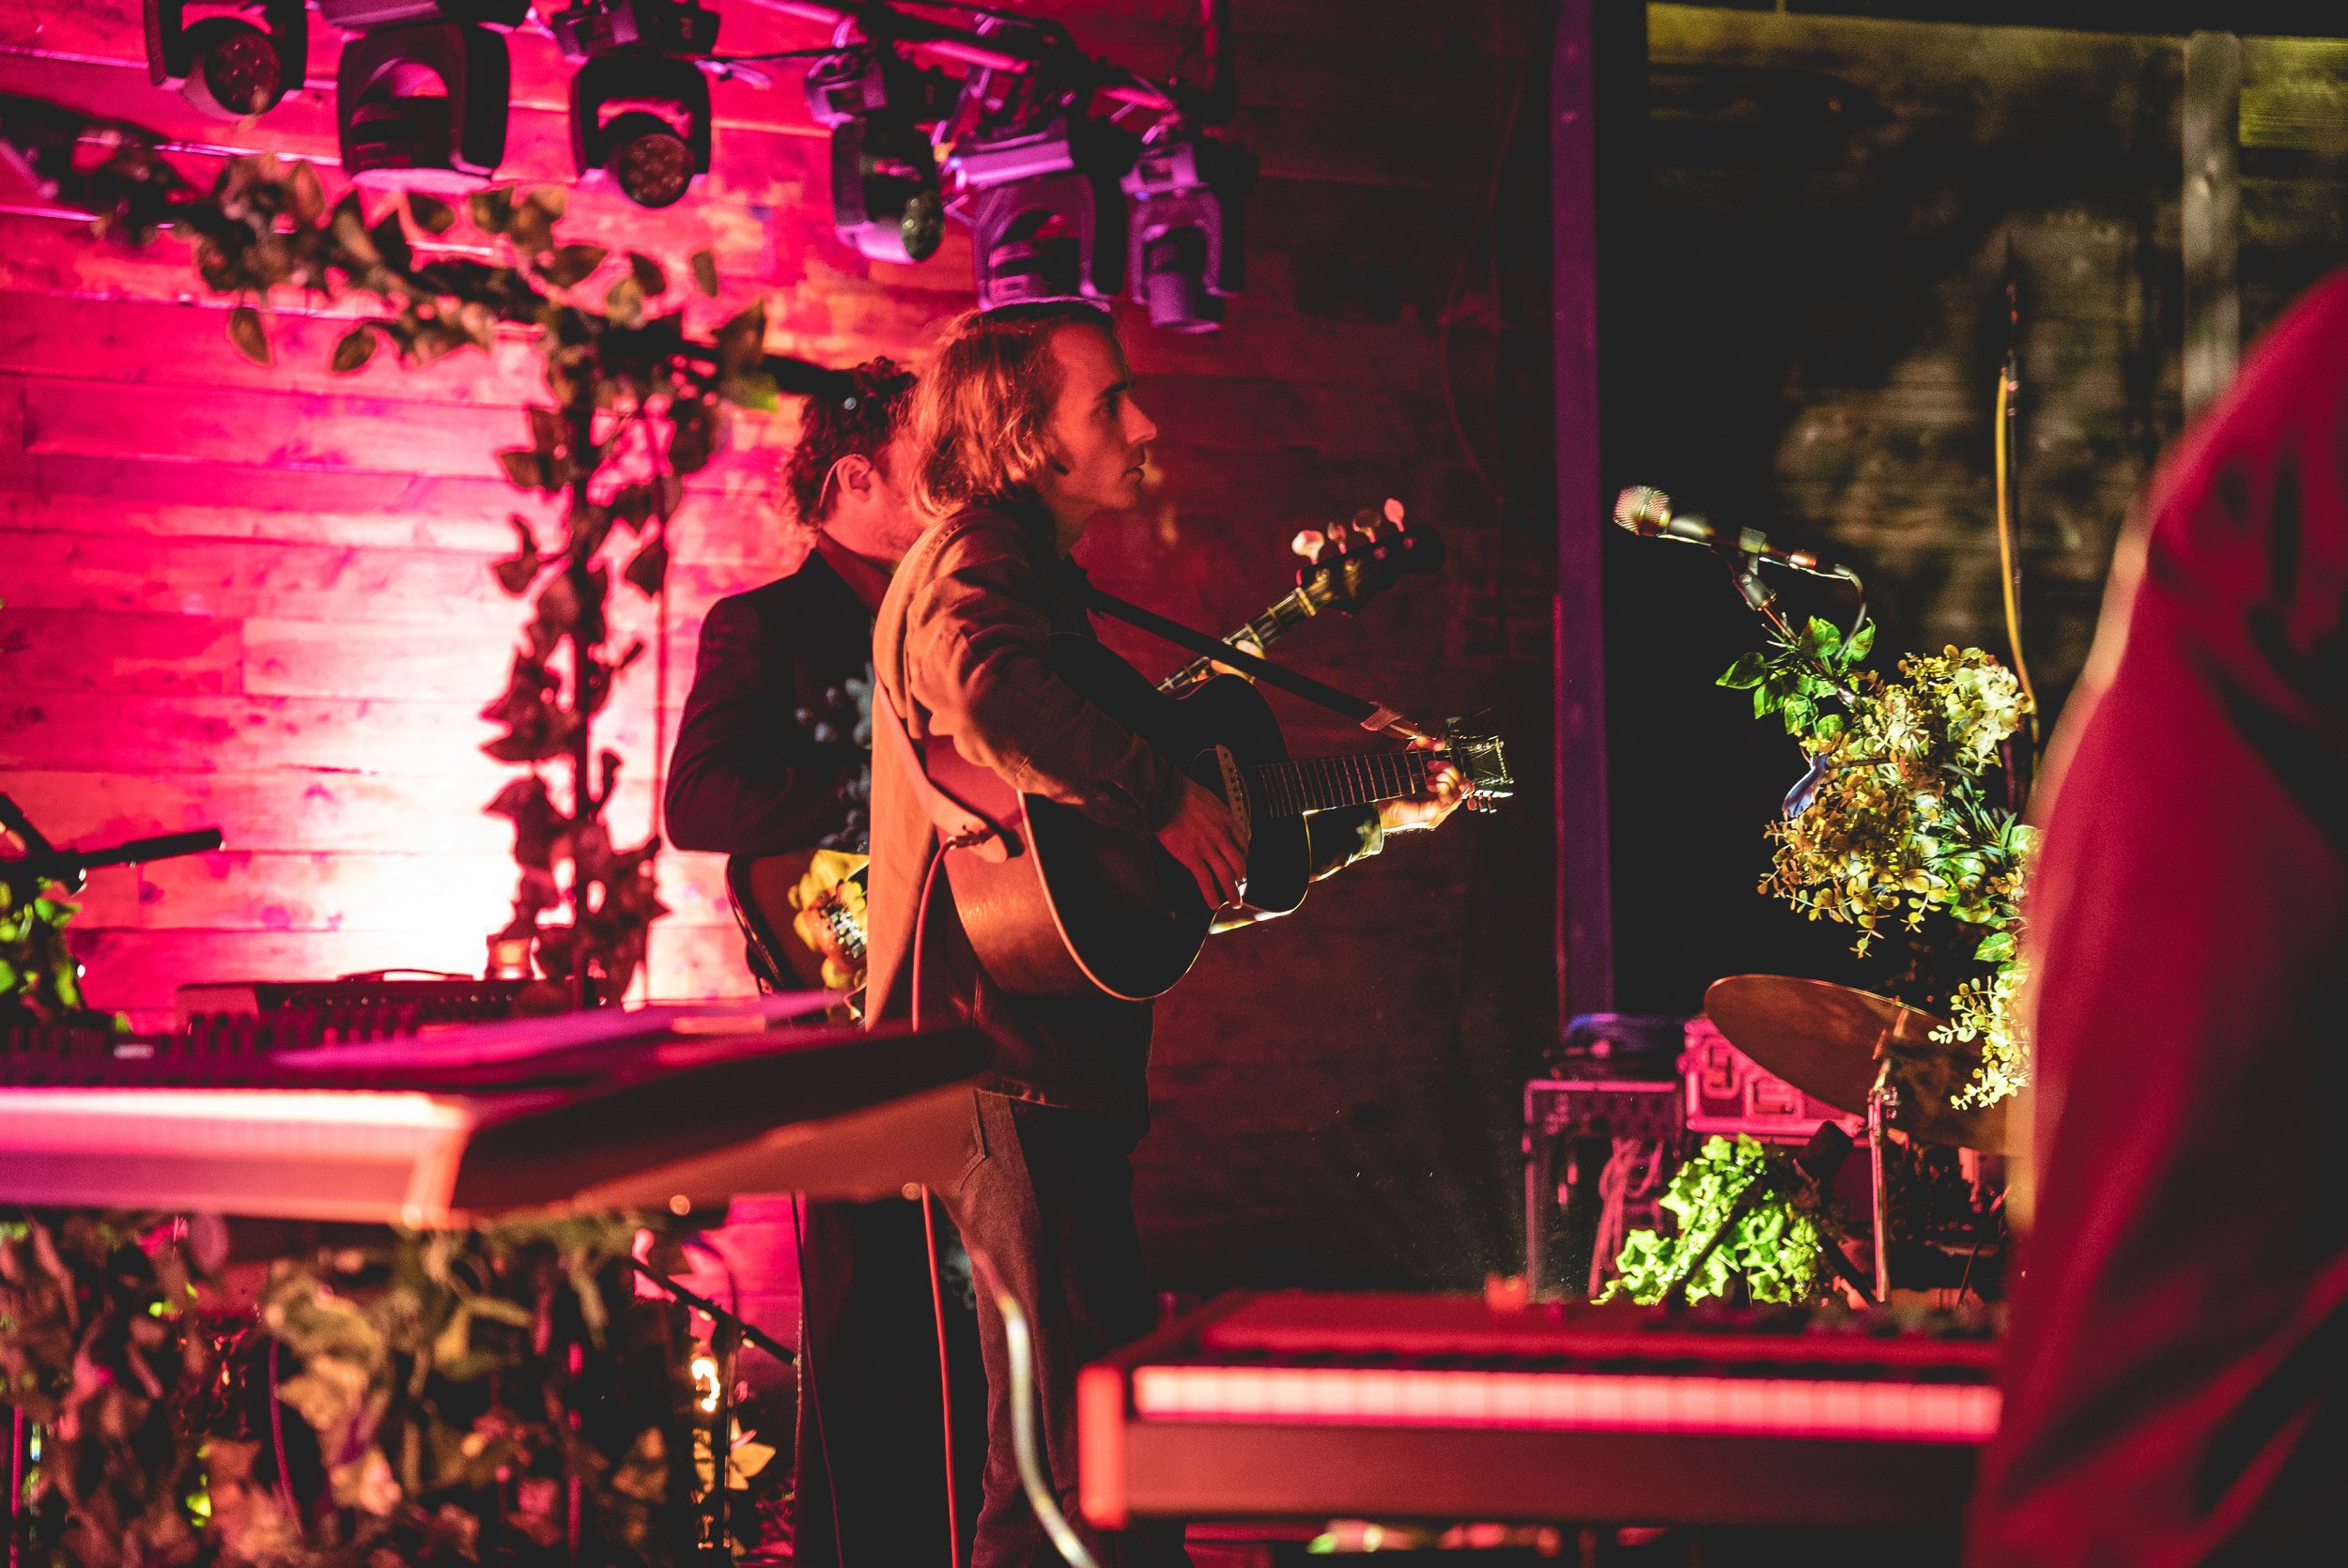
point(1061, 202)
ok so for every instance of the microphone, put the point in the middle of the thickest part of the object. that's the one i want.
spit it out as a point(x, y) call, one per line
point(1647, 512)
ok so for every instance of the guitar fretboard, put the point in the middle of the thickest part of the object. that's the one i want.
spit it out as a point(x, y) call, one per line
point(1292, 788)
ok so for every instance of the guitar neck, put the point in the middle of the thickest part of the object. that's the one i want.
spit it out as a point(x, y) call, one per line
point(1263, 632)
point(1292, 788)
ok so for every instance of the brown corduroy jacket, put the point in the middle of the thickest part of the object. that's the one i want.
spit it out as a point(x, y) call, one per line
point(962, 648)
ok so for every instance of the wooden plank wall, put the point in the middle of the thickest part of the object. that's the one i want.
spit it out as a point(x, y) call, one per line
point(260, 597)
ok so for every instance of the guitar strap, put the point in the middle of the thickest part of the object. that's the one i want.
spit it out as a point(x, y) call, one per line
point(959, 827)
point(1372, 716)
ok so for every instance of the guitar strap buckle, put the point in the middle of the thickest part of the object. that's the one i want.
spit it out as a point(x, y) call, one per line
point(959, 826)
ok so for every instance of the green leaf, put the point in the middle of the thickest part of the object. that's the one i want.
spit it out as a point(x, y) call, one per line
point(632, 504)
point(648, 568)
point(432, 214)
point(571, 265)
point(1823, 636)
point(1997, 947)
point(524, 467)
point(353, 349)
point(689, 443)
point(251, 338)
point(492, 210)
point(589, 526)
point(348, 230)
point(548, 433)
point(305, 194)
point(1746, 672)
point(390, 243)
point(1862, 638)
point(752, 388)
point(742, 341)
point(668, 494)
point(704, 267)
point(648, 275)
point(517, 572)
point(623, 302)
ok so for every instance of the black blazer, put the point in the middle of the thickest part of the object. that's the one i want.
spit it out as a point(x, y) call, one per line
point(775, 750)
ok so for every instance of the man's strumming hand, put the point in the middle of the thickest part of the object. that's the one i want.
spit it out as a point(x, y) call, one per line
point(1203, 835)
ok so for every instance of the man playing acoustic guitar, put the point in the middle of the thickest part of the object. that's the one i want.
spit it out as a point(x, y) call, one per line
point(1024, 430)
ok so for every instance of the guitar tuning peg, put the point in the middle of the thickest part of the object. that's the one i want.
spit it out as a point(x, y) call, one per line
point(1393, 509)
point(1309, 544)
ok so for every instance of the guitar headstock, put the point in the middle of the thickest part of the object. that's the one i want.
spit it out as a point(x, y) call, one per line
point(1482, 765)
point(1348, 563)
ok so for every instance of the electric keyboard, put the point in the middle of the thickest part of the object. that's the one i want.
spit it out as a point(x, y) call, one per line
point(679, 1107)
point(1441, 1408)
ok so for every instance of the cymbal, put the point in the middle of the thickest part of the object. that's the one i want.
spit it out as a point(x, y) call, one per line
point(1821, 1038)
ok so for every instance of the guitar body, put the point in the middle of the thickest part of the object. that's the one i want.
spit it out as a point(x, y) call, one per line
point(802, 917)
point(1078, 908)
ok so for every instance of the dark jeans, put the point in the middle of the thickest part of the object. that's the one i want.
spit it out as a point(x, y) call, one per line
point(870, 1488)
point(1048, 1200)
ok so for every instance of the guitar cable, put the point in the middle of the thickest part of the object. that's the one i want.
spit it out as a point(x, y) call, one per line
point(929, 1239)
point(1018, 1346)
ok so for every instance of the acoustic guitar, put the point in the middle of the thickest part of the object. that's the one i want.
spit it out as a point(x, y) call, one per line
point(802, 913)
point(1076, 908)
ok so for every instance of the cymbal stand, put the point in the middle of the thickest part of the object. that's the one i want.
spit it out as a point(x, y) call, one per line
point(1883, 1104)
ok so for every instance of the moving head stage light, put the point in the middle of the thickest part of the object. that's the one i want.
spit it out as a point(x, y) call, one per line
point(1045, 212)
point(1185, 249)
point(224, 65)
point(420, 96)
point(640, 106)
point(884, 198)
point(657, 142)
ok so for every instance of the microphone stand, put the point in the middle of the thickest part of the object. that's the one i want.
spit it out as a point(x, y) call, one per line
point(43, 862)
point(728, 1332)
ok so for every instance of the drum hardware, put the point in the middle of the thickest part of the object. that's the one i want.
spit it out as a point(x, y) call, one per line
point(1863, 1054)
point(1883, 1104)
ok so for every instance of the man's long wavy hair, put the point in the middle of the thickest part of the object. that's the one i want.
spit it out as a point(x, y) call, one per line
point(982, 417)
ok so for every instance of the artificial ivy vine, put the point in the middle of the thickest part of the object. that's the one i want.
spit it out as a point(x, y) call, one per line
point(635, 405)
point(436, 1398)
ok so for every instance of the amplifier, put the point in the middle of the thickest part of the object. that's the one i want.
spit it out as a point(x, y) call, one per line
point(1573, 1129)
point(1647, 1112)
point(1727, 1092)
